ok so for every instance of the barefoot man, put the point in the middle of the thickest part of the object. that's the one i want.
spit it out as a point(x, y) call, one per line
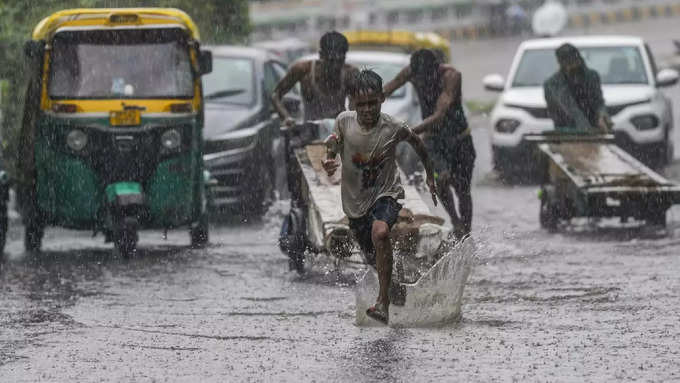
point(366, 140)
point(445, 131)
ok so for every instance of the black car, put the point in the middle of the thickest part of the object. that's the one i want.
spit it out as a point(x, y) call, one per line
point(241, 136)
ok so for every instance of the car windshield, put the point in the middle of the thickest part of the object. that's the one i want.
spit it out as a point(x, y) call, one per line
point(387, 71)
point(616, 65)
point(232, 81)
point(104, 64)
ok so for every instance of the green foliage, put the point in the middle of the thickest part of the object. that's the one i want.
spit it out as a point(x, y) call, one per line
point(219, 21)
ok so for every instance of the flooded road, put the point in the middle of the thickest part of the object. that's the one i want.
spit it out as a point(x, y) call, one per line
point(590, 304)
point(594, 303)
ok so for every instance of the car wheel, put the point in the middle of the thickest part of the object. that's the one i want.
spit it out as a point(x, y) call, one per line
point(3, 228)
point(669, 149)
point(261, 186)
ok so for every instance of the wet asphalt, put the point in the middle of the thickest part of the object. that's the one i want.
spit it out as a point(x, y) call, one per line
point(596, 302)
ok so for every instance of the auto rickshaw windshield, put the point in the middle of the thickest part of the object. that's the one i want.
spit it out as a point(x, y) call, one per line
point(106, 64)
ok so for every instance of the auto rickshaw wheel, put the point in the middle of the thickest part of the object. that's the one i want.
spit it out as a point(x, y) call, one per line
point(126, 237)
point(199, 233)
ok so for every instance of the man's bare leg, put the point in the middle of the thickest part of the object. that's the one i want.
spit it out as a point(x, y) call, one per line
point(446, 197)
point(380, 234)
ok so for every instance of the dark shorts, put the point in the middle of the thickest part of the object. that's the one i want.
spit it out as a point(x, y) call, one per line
point(385, 209)
point(457, 158)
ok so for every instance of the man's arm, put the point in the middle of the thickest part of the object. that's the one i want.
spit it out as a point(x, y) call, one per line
point(419, 146)
point(603, 121)
point(452, 85)
point(294, 75)
point(400, 80)
point(334, 144)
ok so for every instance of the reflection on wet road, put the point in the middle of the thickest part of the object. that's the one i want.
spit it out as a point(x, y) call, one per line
point(598, 302)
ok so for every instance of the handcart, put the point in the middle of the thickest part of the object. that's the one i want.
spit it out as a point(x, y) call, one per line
point(589, 176)
point(429, 270)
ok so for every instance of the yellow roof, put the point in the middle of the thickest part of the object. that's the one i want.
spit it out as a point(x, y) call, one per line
point(407, 39)
point(88, 17)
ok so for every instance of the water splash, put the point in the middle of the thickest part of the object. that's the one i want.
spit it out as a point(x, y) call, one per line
point(435, 295)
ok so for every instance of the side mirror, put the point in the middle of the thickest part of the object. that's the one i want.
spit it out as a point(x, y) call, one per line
point(205, 62)
point(666, 77)
point(33, 49)
point(494, 82)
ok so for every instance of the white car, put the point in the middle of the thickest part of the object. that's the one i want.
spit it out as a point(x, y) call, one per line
point(642, 115)
point(402, 104)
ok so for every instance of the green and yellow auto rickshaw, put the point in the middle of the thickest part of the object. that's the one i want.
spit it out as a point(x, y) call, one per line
point(111, 139)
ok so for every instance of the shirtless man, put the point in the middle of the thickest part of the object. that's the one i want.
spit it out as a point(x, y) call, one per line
point(366, 141)
point(323, 81)
point(445, 130)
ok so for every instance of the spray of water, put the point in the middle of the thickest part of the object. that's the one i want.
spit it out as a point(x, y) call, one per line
point(433, 289)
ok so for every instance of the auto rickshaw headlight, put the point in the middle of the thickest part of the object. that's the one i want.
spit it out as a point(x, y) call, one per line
point(76, 140)
point(171, 139)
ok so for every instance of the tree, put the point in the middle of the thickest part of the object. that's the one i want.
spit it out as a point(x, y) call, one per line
point(219, 21)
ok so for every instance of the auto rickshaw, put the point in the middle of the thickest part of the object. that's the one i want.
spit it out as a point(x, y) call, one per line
point(400, 41)
point(111, 138)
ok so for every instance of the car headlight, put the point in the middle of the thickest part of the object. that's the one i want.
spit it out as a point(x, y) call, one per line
point(76, 140)
point(645, 122)
point(507, 125)
point(238, 140)
point(171, 139)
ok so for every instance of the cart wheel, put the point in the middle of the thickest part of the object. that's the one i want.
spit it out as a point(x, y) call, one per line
point(200, 233)
point(293, 240)
point(657, 217)
point(33, 236)
point(126, 237)
point(548, 215)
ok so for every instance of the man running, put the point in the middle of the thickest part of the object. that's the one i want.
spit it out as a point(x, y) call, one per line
point(445, 130)
point(323, 81)
point(366, 140)
point(574, 94)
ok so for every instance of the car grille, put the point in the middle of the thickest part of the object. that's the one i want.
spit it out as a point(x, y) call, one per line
point(535, 112)
point(616, 109)
point(542, 113)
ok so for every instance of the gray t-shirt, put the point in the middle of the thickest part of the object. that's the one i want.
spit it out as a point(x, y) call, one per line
point(369, 168)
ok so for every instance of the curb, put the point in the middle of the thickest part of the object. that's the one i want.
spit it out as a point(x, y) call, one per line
point(578, 20)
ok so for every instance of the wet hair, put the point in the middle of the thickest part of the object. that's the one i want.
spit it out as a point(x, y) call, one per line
point(333, 43)
point(568, 53)
point(364, 82)
point(423, 60)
